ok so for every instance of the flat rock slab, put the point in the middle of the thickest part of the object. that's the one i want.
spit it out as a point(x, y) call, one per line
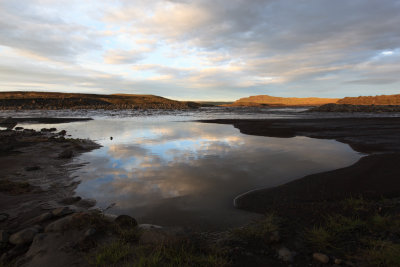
point(24, 236)
point(59, 225)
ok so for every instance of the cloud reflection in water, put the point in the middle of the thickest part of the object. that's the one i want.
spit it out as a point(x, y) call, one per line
point(187, 172)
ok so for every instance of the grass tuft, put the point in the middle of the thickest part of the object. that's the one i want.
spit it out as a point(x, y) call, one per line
point(261, 232)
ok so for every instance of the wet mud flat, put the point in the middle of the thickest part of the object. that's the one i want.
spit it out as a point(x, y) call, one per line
point(375, 175)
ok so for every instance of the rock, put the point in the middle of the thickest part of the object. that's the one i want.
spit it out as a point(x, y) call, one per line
point(24, 236)
point(62, 211)
point(19, 128)
point(149, 226)
point(62, 133)
point(274, 237)
point(338, 261)
point(285, 254)
point(14, 252)
point(48, 130)
point(3, 217)
point(38, 227)
point(110, 217)
point(125, 221)
point(90, 232)
point(321, 257)
point(70, 200)
point(32, 168)
point(59, 225)
point(86, 203)
point(66, 154)
point(4, 236)
point(43, 217)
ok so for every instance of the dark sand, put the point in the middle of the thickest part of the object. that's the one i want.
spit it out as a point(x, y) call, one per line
point(373, 176)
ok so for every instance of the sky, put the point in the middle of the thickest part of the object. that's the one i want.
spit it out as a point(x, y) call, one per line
point(218, 50)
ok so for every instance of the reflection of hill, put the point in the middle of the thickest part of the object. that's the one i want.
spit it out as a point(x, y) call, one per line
point(266, 100)
point(43, 100)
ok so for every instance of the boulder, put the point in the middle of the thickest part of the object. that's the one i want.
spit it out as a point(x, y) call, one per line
point(59, 225)
point(24, 236)
point(125, 221)
point(62, 211)
point(322, 258)
point(43, 217)
point(86, 203)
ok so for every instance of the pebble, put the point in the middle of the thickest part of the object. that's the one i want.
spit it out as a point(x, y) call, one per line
point(24, 236)
point(338, 261)
point(285, 254)
point(90, 232)
point(62, 211)
point(321, 257)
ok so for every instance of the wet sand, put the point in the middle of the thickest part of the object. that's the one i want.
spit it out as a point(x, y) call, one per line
point(373, 176)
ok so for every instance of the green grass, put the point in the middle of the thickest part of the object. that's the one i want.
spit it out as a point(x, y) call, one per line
point(112, 254)
point(355, 204)
point(366, 233)
point(337, 235)
point(381, 253)
point(261, 232)
point(121, 253)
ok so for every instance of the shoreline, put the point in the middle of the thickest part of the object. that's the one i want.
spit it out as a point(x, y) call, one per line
point(373, 176)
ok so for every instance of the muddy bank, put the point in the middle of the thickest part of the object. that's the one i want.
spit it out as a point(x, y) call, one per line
point(376, 175)
point(356, 108)
point(38, 160)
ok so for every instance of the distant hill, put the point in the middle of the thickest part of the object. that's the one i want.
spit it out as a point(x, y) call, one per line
point(266, 100)
point(45, 100)
point(371, 100)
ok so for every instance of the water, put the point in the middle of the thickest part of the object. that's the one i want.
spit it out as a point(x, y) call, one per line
point(167, 169)
point(202, 113)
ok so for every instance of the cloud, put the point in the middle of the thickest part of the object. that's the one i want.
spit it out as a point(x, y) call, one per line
point(124, 57)
point(210, 49)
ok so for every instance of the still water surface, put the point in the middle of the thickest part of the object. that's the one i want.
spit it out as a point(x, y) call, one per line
point(185, 173)
point(169, 170)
